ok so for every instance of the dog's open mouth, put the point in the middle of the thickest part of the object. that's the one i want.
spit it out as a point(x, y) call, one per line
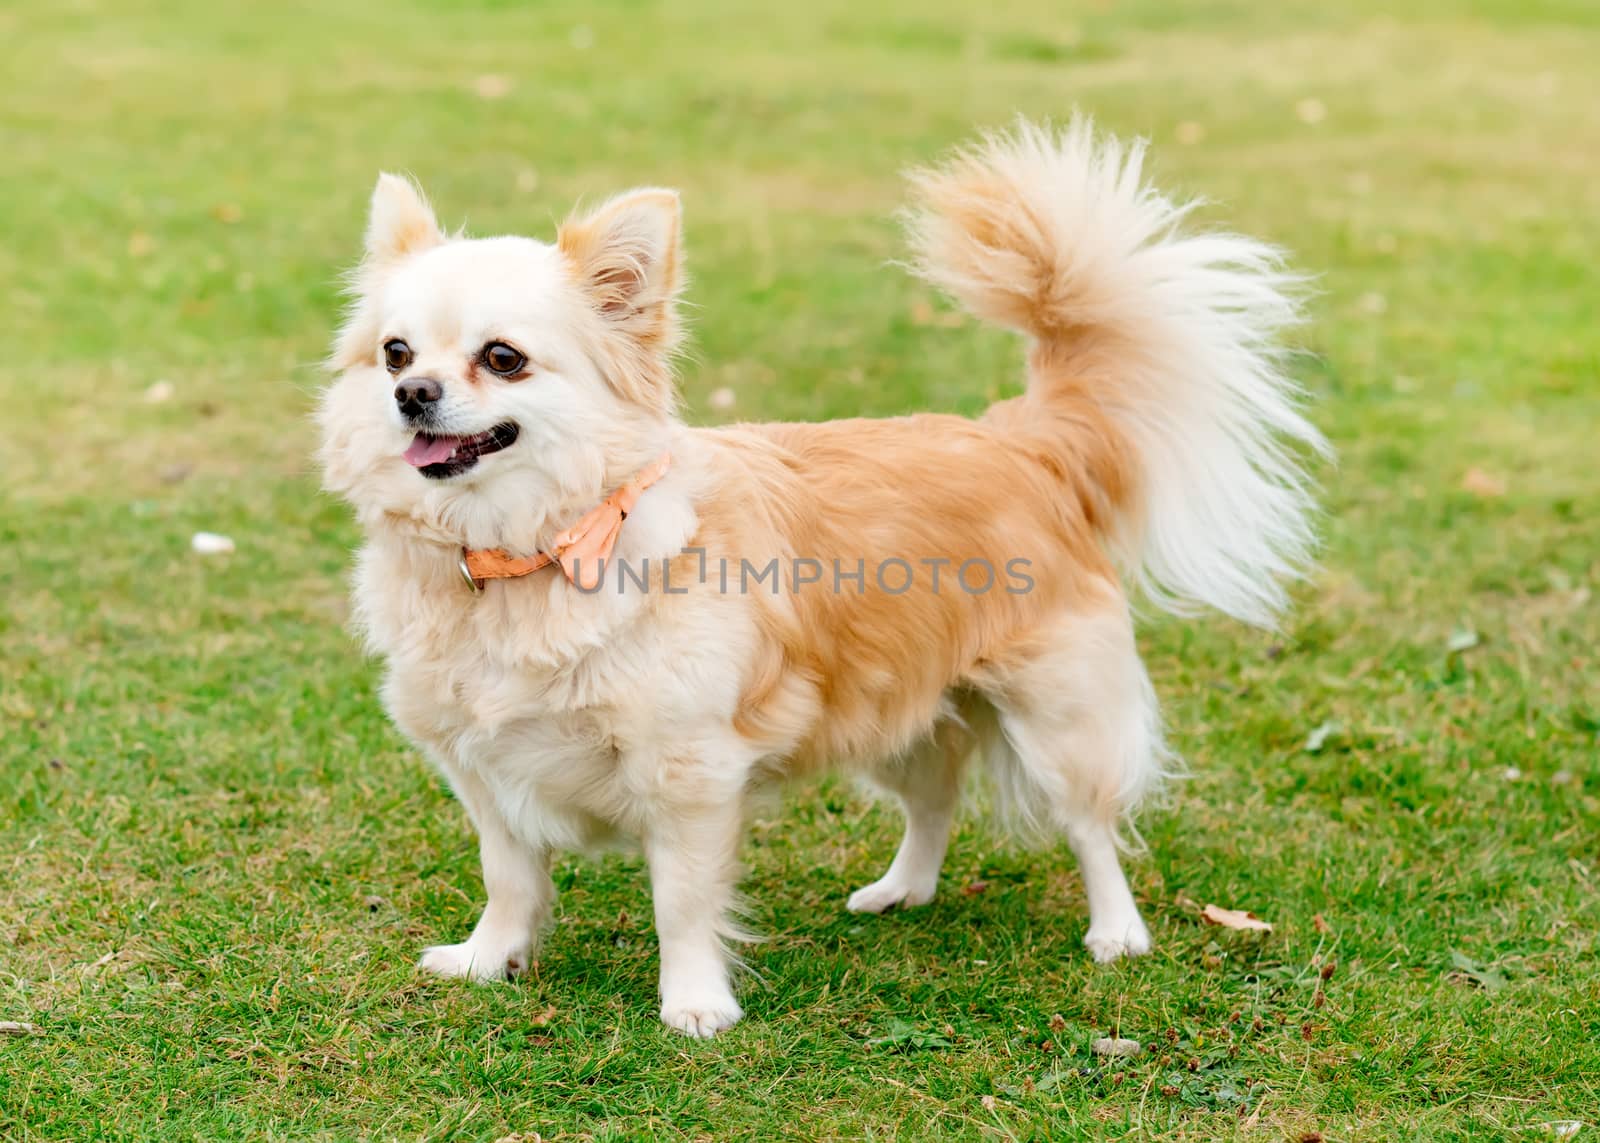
point(439, 456)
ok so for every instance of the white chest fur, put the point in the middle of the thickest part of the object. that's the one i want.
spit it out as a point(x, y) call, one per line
point(568, 708)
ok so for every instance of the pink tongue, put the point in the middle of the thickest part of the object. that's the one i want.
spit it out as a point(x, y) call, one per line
point(426, 450)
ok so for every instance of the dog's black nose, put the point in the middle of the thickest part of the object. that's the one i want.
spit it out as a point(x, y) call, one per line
point(416, 394)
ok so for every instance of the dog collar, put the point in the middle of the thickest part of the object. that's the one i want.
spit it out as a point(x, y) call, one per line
point(581, 550)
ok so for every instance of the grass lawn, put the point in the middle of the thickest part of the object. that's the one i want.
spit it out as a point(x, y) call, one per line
point(218, 862)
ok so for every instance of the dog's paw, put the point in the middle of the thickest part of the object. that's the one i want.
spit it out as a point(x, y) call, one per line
point(701, 1023)
point(474, 962)
point(1107, 943)
point(889, 893)
point(701, 1016)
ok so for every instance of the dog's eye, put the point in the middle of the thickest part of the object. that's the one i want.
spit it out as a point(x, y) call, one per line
point(502, 359)
point(396, 355)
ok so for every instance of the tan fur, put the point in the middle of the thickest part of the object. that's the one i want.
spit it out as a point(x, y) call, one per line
point(875, 667)
point(564, 719)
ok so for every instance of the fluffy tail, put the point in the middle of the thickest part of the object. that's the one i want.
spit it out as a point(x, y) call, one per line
point(1172, 337)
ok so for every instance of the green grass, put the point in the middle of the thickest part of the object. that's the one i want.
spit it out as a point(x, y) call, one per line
point(218, 863)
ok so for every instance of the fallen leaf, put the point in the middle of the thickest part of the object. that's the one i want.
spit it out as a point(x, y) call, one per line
point(210, 544)
point(1320, 923)
point(1234, 919)
point(1058, 1023)
point(1116, 1046)
point(1318, 738)
point(492, 86)
point(544, 1017)
point(16, 1028)
point(1311, 111)
point(1480, 483)
point(908, 1037)
point(1484, 977)
point(973, 888)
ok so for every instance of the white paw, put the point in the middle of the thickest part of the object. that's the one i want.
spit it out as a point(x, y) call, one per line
point(888, 893)
point(1109, 942)
point(474, 961)
point(701, 1016)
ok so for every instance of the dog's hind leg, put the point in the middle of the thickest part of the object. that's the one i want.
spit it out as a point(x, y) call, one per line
point(1080, 719)
point(927, 781)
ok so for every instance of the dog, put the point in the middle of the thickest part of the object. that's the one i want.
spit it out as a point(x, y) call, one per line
point(504, 422)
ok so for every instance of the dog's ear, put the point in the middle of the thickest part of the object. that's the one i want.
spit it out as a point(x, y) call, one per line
point(401, 222)
point(626, 256)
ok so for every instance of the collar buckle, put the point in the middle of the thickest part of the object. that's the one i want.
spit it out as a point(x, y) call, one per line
point(474, 585)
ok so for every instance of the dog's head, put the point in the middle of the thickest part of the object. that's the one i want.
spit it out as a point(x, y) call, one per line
point(485, 384)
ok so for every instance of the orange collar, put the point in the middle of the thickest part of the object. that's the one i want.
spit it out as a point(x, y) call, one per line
point(581, 550)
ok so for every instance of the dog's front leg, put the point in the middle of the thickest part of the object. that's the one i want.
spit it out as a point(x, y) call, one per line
point(693, 859)
point(521, 896)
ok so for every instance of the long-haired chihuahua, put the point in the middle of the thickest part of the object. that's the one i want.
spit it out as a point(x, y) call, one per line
point(601, 623)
